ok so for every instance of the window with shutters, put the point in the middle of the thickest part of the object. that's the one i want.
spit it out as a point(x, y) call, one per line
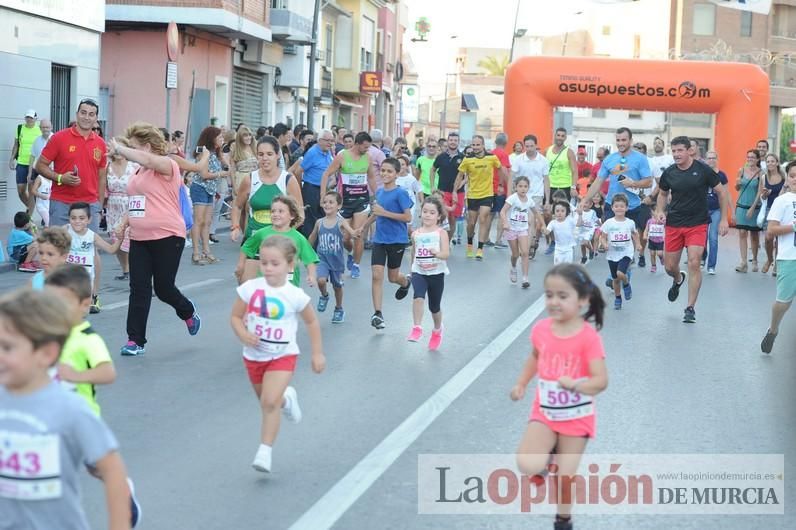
point(248, 97)
point(61, 96)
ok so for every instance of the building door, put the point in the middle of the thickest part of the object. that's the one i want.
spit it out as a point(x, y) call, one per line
point(248, 99)
point(200, 115)
point(61, 96)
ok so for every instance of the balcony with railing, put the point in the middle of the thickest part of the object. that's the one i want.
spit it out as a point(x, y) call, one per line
point(326, 85)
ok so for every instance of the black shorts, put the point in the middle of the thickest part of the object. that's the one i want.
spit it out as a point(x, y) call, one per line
point(498, 203)
point(352, 206)
point(655, 245)
point(390, 254)
point(473, 205)
point(619, 266)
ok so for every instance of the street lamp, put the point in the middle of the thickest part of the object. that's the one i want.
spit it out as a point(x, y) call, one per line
point(444, 107)
point(518, 34)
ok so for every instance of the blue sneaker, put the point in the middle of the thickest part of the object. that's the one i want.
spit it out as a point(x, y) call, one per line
point(628, 291)
point(323, 301)
point(193, 323)
point(132, 349)
point(618, 302)
point(338, 317)
point(550, 248)
point(350, 262)
point(355, 270)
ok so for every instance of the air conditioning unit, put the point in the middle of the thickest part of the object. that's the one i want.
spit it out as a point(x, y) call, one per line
point(289, 49)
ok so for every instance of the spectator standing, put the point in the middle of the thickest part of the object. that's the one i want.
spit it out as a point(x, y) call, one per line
point(312, 167)
point(714, 209)
point(25, 136)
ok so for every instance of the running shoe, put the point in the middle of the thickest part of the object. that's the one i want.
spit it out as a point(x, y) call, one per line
point(377, 321)
point(689, 316)
point(291, 406)
point(501, 244)
point(132, 349)
point(193, 323)
point(95, 306)
point(402, 291)
point(674, 290)
point(479, 254)
point(513, 275)
point(26, 267)
point(323, 301)
point(525, 283)
point(642, 262)
point(488, 243)
point(711, 271)
point(583, 260)
point(470, 253)
point(653, 268)
point(122, 276)
point(628, 291)
point(338, 317)
point(768, 342)
point(436, 339)
point(618, 302)
point(350, 262)
point(135, 506)
point(415, 334)
point(262, 460)
point(550, 248)
point(355, 271)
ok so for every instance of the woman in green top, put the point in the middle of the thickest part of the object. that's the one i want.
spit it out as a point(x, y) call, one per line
point(257, 191)
point(285, 216)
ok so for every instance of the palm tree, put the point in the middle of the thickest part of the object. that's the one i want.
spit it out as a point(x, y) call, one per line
point(494, 65)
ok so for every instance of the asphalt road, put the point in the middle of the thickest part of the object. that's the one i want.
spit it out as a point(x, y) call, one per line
point(188, 421)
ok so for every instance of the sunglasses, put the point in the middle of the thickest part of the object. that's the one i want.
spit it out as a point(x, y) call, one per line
point(622, 163)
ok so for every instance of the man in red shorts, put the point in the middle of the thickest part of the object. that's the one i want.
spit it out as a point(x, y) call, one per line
point(443, 175)
point(687, 218)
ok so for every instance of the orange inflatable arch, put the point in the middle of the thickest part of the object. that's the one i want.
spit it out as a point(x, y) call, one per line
point(737, 93)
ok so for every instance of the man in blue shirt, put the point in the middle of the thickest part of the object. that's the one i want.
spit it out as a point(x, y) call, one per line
point(313, 165)
point(628, 172)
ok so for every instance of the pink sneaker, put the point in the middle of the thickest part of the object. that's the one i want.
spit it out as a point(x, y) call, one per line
point(415, 334)
point(653, 269)
point(435, 340)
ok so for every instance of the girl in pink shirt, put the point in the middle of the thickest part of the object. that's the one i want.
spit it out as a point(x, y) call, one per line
point(569, 362)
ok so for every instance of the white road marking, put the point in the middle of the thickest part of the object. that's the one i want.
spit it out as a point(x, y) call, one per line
point(188, 287)
point(329, 508)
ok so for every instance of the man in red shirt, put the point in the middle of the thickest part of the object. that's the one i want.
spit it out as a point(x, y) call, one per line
point(500, 184)
point(583, 165)
point(80, 171)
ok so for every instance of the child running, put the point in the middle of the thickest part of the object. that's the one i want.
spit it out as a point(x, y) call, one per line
point(587, 231)
point(265, 319)
point(47, 427)
point(328, 233)
point(517, 213)
point(85, 244)
point(563, 227)
point(568, 357)
point(620, 236)
point(85, 360)
point(54, 244)
point(284, 217)
point(430, 250)
point(655, 233)
point(390, 212)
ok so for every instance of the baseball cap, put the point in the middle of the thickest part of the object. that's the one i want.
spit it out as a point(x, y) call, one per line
point(30, 114)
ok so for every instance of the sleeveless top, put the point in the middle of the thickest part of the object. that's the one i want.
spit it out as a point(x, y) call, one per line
point(330, 246)
point(560, 171)
point(425, 263)
point(354, 176)
point(260, 197)
point(82, 250)
point(775, 189)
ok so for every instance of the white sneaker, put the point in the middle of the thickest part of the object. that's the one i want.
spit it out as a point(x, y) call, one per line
point(711, 270)
point(513, 275)
point(188, 243)
point(262, 460)
point(291, 407)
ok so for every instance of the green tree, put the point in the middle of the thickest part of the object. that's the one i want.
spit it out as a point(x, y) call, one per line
point(786, 135)
point(494, 65)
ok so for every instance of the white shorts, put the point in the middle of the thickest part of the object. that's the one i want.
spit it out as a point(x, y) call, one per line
point(563, 255)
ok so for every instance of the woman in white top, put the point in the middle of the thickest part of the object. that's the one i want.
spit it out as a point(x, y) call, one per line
point(116, 203)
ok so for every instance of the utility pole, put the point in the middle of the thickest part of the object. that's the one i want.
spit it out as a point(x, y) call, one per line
point(313, 51)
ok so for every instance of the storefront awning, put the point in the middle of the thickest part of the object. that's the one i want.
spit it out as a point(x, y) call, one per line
point(345, 101)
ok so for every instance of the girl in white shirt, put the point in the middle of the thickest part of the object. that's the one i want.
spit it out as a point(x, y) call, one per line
point(517, 213)
point(563, 228)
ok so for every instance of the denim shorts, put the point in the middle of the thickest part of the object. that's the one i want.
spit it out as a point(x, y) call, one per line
point(22, 173)
point(199, 195)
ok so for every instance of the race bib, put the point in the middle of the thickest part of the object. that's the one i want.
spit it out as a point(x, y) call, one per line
point(30, 466)
point(656, 230)
point(79, 259)
point(619, 237)
point(355, 179)
point(271, 333)
point(262, 216)
point(559, 404)
point(425, 247)
point(136, 206)
point(518, 220)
